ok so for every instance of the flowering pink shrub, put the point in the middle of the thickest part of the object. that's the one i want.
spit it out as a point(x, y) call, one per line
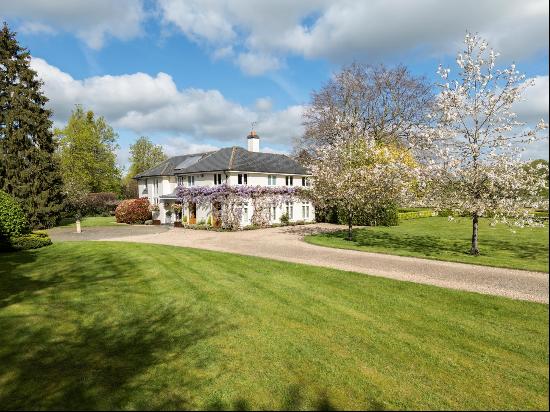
point(133, 211)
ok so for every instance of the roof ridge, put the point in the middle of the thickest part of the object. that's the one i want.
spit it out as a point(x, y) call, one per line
point(230, 165)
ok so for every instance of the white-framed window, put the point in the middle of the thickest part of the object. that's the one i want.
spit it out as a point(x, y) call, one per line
point(242, 179)
point(289, 209)
point(289, 180)
point(273, 212)
point(190, 180)
point(272, 180)
point(305, 181)
point(305, 210)
point(181, 181)
point(217, 178)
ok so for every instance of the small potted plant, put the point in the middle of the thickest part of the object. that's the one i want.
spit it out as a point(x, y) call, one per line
point(177, 208)
point(155, 209)
point(168, 216)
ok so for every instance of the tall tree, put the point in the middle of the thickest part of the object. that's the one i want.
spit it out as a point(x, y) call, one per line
point(87, 154)
point(475, 160)
point(28, 168)
point(387, 104)
point(144, 155)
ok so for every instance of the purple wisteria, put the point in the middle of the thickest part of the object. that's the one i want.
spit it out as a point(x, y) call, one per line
point(232, 198)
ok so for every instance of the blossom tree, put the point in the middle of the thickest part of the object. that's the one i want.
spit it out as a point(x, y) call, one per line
point(474, 159)
point(356, 172)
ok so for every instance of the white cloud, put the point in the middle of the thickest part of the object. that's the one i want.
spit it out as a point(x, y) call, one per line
point(91, 21)
point(257, 63)
point(344, 30)
point(178, 145)
point(153, 104)
point(263, 104)
point(534, 104)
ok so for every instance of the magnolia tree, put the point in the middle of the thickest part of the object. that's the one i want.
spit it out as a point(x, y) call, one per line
point(355, 172)
point(474, 163)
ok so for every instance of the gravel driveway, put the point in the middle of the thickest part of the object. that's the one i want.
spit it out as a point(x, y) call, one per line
point(285, 243)
point(68, 233)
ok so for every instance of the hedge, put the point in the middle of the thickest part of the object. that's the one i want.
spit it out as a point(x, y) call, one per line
point(33, 240)
point(416, 215)
point(30, 241)
point(13, 221)
point(133, 211)
point(381, 216)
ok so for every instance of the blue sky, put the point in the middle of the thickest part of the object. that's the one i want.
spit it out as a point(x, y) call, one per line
point(194, 74)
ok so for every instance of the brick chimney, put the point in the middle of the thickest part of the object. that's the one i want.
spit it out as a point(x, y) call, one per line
point(253, 142)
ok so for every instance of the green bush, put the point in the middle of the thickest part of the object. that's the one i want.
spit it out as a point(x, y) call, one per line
point(284, 219)
point(416, 214)
point(12, 219)
point(380, 216)
point(27, 241)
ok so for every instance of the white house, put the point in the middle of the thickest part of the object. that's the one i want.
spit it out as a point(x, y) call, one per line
point(230, 165)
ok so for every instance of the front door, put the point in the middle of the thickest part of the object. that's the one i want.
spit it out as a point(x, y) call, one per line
point(192, 213)
point(216, 214)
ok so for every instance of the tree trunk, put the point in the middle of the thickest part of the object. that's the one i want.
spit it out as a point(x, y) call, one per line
point(350, 218)
point(474, 250)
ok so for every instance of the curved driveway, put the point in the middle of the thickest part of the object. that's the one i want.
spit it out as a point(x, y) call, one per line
point(285, 243)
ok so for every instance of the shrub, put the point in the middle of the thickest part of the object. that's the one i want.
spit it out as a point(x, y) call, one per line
point(93, 204)
point(33, 240)
point(30, 241)
point(284, 219)
point(209, 221)
point(381, 216)
point(133, 211)
point(103, 203)
point(12, 219)
point(416, 214)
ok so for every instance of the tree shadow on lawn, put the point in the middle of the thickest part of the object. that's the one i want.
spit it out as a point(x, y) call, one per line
point(429, 245)
point(74, 354)
point(102, 366)
point(295, 398)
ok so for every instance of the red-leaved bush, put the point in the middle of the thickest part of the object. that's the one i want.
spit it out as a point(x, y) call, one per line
point(133, 211)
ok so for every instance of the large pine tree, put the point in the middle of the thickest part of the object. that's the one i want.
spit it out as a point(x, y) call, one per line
point(28, 169)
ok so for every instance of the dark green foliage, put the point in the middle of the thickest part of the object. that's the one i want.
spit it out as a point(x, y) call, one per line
point(12, 218)
point(284, 219)
point(381, 216)
point(30, 241)
point(94, 204)
point(28, 170)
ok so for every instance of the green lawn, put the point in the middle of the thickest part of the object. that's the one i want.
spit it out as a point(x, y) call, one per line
point(91, 221)
point(441, 239)
point(99, 325)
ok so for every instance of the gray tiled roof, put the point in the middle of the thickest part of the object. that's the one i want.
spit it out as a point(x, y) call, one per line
point(227, 159)
point(167, 167)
